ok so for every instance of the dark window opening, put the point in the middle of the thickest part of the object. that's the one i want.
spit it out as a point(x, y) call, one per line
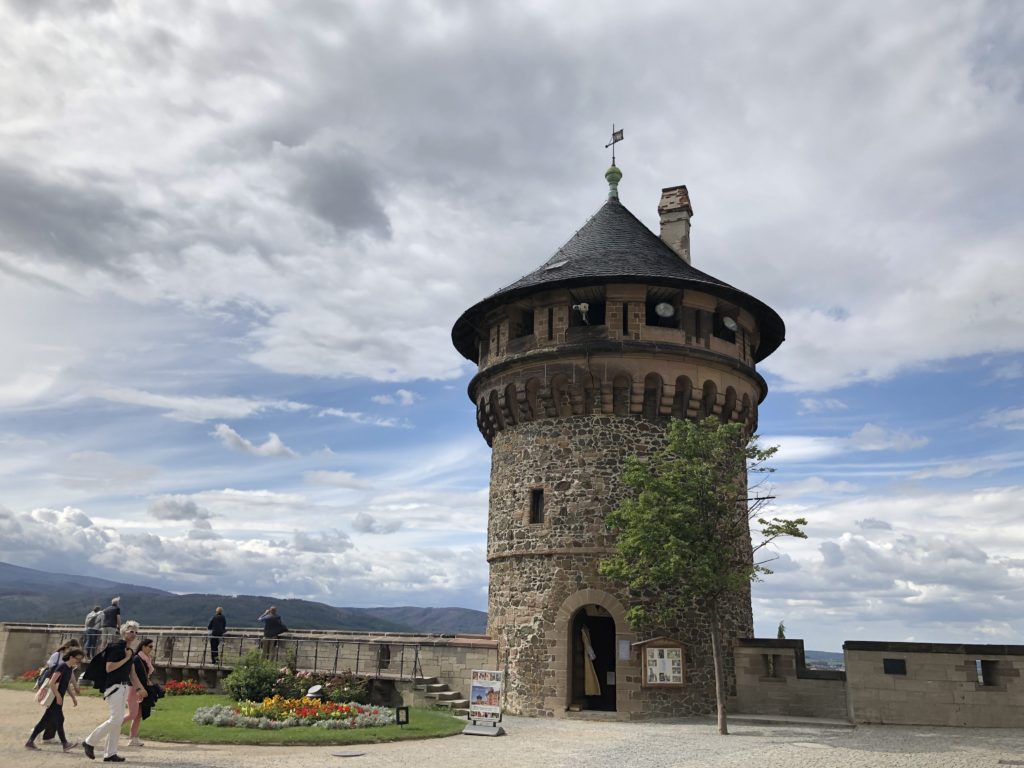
point(771, 665)
point(725, 327)
point(894, 666)
point(521, 324)
point(551, 323)
point(625, 318)
point(593, 314)
point(537, 505)
point(986, 671)
point(662, 313)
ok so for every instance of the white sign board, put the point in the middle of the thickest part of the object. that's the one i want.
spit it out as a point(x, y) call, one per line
point(485, 695)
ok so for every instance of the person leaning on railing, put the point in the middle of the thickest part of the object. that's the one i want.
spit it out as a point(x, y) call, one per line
point(273, 627)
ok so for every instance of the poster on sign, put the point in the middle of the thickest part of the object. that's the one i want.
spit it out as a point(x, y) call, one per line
point(485, 695)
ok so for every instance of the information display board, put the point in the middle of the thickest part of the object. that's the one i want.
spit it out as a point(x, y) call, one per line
point(485, 695)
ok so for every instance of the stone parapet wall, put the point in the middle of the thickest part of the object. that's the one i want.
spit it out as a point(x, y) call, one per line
point(935, 684)
point(184, 651)
point(772, 679)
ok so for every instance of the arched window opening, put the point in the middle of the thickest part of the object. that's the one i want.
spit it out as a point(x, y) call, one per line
point(621, 385)
point(652, 396)
point(533, 404)
point(512, 403)
point(560, 396)
point(681, 400)
point(730, 404)
point(707, 400)
point(499, 420)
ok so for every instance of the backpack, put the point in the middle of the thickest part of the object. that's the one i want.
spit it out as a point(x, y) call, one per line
point(96, 671)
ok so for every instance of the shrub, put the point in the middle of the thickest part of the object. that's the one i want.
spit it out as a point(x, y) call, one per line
point(253, 678)
point(341, 687)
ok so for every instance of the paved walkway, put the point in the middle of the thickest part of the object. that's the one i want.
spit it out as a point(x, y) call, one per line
point(560, 744)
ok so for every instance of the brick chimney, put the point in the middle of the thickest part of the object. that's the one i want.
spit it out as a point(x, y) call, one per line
point(675, 212)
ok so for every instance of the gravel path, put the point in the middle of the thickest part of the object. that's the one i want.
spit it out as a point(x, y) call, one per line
point(558, 744)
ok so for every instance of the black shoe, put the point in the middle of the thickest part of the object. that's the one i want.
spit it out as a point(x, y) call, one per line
point(113, 759)
point(89, 751)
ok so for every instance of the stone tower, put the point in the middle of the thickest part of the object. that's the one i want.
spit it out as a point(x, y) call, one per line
point(582, 362)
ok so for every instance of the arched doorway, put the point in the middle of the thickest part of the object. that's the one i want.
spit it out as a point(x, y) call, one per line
point(592, 671)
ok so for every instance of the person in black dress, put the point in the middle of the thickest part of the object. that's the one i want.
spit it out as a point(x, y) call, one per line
point(60, 683)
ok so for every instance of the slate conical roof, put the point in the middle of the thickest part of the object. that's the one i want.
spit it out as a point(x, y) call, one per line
point(614, 246)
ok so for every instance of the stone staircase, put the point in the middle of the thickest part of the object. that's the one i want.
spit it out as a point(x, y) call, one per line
point(439, 694)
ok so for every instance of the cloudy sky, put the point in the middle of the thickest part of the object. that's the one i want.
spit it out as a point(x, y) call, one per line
point(234, 237)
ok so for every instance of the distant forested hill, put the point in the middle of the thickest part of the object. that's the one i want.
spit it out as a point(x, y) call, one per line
point(30, 595)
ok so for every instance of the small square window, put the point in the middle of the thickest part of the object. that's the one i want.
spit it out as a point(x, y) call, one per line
point(894, 666)
point(537, 505)
point(986, 671)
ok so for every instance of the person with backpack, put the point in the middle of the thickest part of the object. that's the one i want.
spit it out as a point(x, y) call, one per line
point(60, 684)
point(93, 620)
point(118, 674)
point(111, 621)
point(273, 628)
point(52, 663)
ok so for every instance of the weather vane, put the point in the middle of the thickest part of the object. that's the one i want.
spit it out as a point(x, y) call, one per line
point(616, 137)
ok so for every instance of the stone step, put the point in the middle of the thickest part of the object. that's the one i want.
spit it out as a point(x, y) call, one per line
point(454, 704)
point(445, 696)
point(423, 682)
point(437, 687)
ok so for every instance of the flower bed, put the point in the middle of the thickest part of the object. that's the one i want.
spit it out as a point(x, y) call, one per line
point(29, 676)
point(277, 712)
point(183, 688)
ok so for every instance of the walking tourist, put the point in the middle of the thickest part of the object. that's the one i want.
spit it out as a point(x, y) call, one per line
point(143, 667)
point(60, 684)
point(218, 626)
point(120, 675)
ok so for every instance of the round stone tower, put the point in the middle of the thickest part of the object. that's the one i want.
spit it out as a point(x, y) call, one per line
point(582, 363)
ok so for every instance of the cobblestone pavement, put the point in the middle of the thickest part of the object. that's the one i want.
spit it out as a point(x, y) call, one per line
point(559, 744)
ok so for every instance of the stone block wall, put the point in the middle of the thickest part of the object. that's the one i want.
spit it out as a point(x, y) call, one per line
point(935, 684)
point(772, 679)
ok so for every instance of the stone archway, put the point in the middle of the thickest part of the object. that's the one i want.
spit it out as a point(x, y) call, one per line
point(598, 617)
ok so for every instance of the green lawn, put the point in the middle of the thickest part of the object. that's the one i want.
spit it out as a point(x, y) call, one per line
point(172, 721)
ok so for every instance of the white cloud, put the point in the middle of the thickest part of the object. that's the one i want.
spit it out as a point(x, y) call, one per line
point(1010, 418)
point(316, 566)
point(816, 405)
point(273, 446)
point(367, 523)
point(815, 486)
point(869, 438)
point(193, 408)
point(357, 417)
point(178, 508)
point(872, 437)
point(403, 397)
point(338, 478)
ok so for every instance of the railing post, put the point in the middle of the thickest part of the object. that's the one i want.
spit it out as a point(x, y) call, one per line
point(401, 664)
point(188, 652)
point(337, 649)
point(316, 653)
point(359, 647)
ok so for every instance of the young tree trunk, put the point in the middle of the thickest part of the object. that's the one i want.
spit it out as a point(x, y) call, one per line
point(716, 653)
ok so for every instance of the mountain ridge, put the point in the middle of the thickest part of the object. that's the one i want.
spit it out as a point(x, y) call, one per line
point(30, 595)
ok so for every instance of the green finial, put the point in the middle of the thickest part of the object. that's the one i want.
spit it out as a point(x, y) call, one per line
point(613, 175)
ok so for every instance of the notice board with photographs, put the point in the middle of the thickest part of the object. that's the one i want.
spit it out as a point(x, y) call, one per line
point(664, 663)
point(485, 695)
